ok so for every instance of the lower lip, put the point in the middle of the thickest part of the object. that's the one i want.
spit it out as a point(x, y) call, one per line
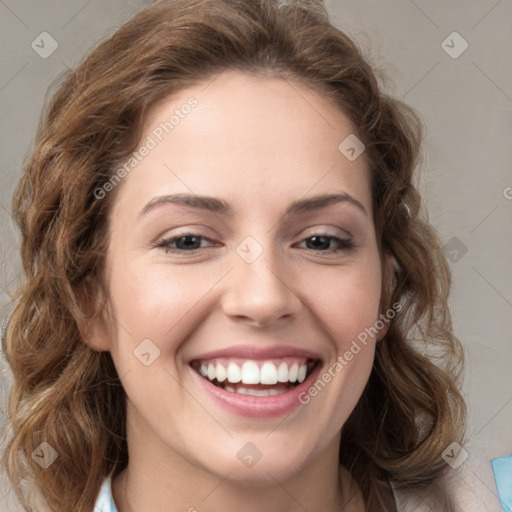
point(259, 406)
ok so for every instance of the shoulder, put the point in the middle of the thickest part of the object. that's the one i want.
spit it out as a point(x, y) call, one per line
point(105, 502)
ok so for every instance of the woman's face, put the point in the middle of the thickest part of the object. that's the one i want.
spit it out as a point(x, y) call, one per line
point(242, 246)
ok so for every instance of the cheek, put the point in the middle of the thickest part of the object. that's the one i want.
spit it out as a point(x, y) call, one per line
point(344, 300)
point(346, 307)
point(158, 303)
point(165, 303)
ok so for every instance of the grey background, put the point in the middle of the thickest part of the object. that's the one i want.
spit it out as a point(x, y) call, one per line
point(466, 103)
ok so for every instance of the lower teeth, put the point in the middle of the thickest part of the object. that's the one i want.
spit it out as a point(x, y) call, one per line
point(254, 392)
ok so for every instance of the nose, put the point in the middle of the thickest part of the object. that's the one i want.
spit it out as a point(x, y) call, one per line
point(260, 293)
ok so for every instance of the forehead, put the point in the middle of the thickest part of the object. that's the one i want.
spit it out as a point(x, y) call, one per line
point(239, 134)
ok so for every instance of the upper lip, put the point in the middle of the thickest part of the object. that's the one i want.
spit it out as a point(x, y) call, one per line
point(257, 352)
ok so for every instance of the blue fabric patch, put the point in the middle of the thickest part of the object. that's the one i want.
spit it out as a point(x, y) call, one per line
point(105, 502)
point(502, 468)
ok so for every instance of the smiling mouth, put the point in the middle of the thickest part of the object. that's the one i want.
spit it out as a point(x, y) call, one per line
point(256, 377)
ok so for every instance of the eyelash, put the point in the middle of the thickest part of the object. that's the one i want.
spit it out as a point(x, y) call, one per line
point(344, 244)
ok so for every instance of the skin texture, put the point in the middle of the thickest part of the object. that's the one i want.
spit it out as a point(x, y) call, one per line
point(257, 143)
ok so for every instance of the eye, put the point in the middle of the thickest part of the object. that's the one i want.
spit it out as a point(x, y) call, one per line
point(322, 243)
point(189, 242)
point(184, 243)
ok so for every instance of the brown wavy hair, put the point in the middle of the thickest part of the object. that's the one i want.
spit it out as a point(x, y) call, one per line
point(69, 395)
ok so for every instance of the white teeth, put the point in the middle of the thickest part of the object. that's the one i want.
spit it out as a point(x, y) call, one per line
point(211, 372)
point(250, 373)
point(282, 373)
point(268, 374)
point(221, 373)
point(258, 392)
point(293, 372)
point(234, 373)
point(255, 392)
point(302, 373)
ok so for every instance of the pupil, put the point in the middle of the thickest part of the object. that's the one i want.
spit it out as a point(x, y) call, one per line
point(187, 242)
point(315, 239)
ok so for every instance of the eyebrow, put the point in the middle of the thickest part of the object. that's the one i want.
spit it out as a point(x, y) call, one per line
point(214, 205)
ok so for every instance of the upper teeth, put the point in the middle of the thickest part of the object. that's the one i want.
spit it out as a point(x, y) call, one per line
point(251, 373)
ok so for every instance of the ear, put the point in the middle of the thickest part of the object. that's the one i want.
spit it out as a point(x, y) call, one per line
point(94, 326)
point(389, 268)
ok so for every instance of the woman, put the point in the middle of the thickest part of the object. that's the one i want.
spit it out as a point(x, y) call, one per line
point(229, 280)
